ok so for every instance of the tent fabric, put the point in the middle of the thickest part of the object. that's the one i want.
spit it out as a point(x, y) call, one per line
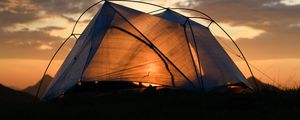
point(123, 52)
point(218, 68)
point(122, 44)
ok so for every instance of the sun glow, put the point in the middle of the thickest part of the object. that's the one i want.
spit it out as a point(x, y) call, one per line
point(151, 68)
point(236, 32)
point(20, 73)
point(284, 73)
point(146, 84)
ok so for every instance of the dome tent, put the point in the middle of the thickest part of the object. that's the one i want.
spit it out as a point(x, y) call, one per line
point(123, 44)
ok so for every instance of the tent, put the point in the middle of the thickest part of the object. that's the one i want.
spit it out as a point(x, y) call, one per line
point(123, 44)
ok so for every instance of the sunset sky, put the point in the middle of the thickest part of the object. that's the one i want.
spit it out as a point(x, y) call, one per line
point(267, 31)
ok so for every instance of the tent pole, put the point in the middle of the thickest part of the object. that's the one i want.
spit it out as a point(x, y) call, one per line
point(52, 58)
point(209, 24)
point(135, 1)
point(199, 61)
point(194, 11)
point(255, 82)
point(73, 29)
point(187, 40)
point(72, 34)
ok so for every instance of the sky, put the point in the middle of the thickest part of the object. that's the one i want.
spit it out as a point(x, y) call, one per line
point(267, 32)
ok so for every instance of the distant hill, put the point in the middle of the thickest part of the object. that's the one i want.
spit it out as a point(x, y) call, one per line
point(33, 89)
point(8, 95)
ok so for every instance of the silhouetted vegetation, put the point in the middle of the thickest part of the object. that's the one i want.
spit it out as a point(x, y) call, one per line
point(157, 104)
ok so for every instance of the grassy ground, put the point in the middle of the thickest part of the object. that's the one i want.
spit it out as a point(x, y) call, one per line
point(163, 104)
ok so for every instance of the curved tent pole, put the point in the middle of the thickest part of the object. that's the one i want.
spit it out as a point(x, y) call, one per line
point(52, 58)
point(246, 61)
point(59, 48)
point(193, 59)
point(164, 8)
point(83, 14)
point(198, 56)
point(204, 18)
point(135, 1)
point(192, 10)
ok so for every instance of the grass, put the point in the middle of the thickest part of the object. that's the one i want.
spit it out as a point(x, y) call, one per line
point(162, 104)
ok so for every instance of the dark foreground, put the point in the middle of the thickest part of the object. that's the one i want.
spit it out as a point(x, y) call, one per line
point(163, 104)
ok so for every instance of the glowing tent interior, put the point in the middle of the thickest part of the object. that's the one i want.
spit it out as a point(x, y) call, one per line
point(123, 44)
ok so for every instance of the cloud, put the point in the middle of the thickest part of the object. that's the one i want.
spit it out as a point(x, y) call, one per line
point(236, 32)
point(17, 12)
point(290, 2)
point(272, 26)
point(29, 28)
point(35, 28)
point(50, 28)
point(64, 6)
point(23, 44)
point(294, 25)
point(45, 47)
point(278, 20)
